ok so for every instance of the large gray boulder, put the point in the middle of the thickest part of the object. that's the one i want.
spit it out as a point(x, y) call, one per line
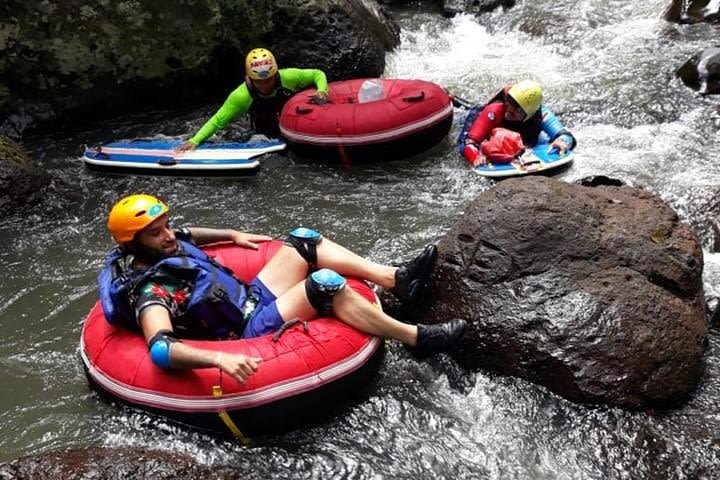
point(595, 293)
point(21, 181)
point(95, 58)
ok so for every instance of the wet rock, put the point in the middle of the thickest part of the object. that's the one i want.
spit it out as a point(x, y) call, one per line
point(21, 182)
point(114, 464)
point(595, 293)
point(702, 71)
point(355, 36)
point(715, 226)
point(693, 11)
point(599, 181)
point(106, 57)
point(452, 7)
point(713, 311)
point(4, 100)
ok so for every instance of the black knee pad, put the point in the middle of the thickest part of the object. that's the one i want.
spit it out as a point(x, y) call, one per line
point(305, 241)
point(321, 287)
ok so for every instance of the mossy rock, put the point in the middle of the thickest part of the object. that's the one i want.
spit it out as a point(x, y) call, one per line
point(21, 181)
point(95, 58)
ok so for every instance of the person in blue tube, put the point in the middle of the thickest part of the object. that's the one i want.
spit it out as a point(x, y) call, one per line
point(517, 108)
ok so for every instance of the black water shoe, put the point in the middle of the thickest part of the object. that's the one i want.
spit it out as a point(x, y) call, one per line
point(432, 339)
point(410, 277)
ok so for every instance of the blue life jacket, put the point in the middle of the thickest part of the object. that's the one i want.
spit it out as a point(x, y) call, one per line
point(472, 114)
point(214, 310)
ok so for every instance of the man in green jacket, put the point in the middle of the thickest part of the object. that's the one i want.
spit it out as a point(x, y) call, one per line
point(262, 95)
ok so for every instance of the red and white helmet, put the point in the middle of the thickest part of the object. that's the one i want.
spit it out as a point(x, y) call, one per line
point(260, 64)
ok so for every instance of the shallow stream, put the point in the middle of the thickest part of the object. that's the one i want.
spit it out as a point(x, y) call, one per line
point(607, 69)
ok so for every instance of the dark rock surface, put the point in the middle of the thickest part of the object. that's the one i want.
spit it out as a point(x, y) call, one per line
point(88, 59)
point(595, 293)
point(693, 11)
point(113, 464)
point(713, 312)
point(452, 7)
point(600, 180)
point(21, 182)
point(701, 72)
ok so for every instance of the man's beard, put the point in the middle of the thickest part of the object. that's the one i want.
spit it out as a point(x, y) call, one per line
point(147, 255)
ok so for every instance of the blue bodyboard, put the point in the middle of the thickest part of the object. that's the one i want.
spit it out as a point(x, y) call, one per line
point(158, 157)
point(536, 160)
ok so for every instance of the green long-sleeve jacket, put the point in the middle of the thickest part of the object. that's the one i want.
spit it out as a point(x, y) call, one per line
point(240, 100)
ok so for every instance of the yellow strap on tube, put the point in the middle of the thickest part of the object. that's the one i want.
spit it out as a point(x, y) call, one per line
point(217, 393)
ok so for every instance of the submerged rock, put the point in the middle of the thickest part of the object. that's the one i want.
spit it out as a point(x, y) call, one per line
point(600, 180)
point(21, 182)
point(113, 463)
point(452, 7)
point(702, 71)
point(595, 293)
point(693, 11)
point(713, 312)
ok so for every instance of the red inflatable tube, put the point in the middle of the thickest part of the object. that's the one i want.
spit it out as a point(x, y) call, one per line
point(412, 116)
point(304, 374)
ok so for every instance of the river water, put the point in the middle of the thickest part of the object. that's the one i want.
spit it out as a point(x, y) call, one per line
point(607, 69)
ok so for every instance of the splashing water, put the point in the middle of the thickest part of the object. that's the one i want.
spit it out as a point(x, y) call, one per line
point(607, 70)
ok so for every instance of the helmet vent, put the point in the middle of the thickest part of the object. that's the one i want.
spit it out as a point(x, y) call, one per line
point(140, 213)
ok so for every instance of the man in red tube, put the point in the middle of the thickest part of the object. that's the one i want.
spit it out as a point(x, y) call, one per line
point(158, 281)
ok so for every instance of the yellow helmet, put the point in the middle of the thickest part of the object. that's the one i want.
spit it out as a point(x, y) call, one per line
point(260, 64)
point(528, 95)
point(133, 213)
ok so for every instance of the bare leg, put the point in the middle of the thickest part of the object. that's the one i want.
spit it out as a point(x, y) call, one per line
point(404, 282)
point(350, 308)
point(284, 270)
point(287, 267)
point(343, 261)
point(354, 310)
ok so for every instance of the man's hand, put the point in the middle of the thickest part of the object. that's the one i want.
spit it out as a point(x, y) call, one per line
point(185, 147)
point(320, 98)
point(248, 240)
point(238, 366)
